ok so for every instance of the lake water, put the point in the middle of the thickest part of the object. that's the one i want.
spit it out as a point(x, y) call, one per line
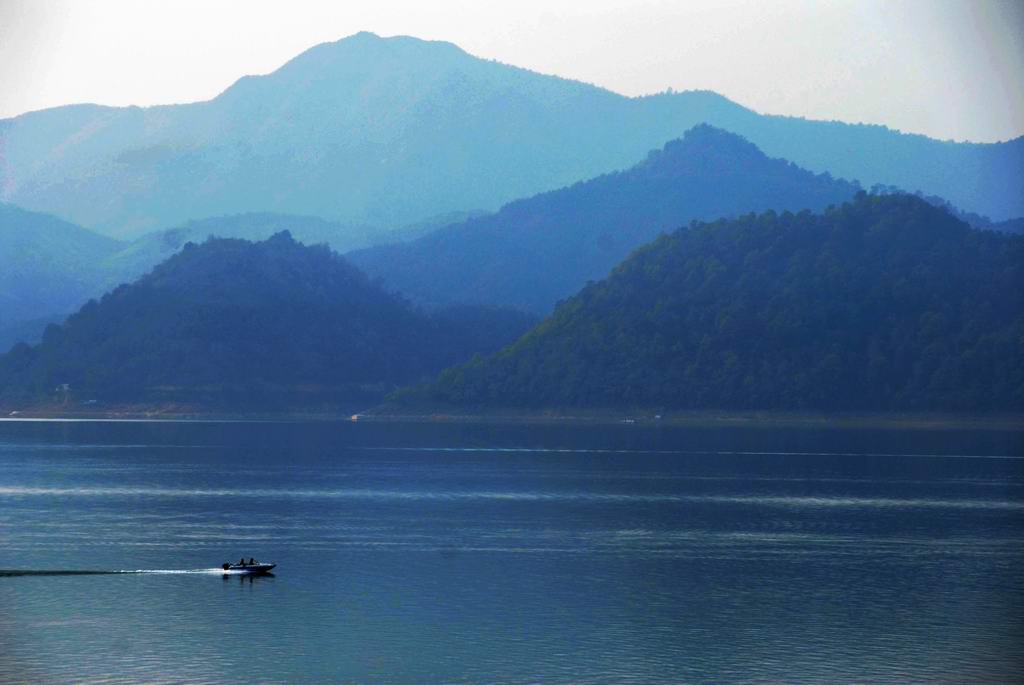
point(467, 554)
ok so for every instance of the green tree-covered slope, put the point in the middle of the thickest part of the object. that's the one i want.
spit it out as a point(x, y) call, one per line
point(49, 267)
point(885, 303)
point(235, 322)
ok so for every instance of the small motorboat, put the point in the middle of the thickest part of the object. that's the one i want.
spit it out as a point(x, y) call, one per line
point(253, 569)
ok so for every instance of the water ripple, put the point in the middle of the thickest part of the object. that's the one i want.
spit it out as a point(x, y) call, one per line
point(527, 496)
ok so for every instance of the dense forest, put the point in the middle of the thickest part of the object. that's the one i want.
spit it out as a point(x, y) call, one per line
point(243, 323)
point(536, 251)
point(973, 219)
point(884, 303)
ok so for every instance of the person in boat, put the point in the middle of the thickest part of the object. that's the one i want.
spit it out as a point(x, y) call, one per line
point(252, 561)
point(241, 562)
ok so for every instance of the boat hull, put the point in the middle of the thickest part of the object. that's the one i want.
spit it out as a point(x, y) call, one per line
point(249, 569)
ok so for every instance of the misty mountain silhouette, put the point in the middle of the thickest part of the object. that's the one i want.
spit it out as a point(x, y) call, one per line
point(536, 251)
point(47, 266)
point(387, 131)
point(50, 267)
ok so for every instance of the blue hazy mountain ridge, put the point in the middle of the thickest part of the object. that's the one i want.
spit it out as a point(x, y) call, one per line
point(152, 248)
point(141, 255)
point(536, 251)
point(46, 265)
point(577, 233)
point(49, 267)
point(885, 303)
point(243, 323)
point(387, 131)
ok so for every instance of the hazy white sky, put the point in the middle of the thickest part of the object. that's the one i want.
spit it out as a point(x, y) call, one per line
point(945, 68)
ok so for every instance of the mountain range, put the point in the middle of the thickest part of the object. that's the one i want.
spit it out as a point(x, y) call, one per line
point(536, 251)
point(530, 254)
point(883, 303)
point(372, 131)
point(215, 229)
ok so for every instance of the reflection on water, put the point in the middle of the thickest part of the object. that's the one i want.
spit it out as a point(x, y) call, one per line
point(508, 554)
point(243, 578)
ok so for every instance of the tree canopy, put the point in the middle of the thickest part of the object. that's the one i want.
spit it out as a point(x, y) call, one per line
point(884, 303)
point(240, 322)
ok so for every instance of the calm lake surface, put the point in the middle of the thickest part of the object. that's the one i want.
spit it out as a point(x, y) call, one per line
point(466, 554)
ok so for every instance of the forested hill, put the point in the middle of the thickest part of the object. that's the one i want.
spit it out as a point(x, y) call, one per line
point(49, 267)
point(235, 322)
point(885, 303)
point(537, 251)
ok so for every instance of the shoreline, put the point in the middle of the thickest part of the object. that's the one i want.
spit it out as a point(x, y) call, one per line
point(705, 419)
point(695, 419)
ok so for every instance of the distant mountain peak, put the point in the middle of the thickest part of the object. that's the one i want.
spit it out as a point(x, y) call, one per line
point(704, 142)
point(371, 38)
point(367, 49)
point(281, 237)
point(537, 250)
point(706, 134)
